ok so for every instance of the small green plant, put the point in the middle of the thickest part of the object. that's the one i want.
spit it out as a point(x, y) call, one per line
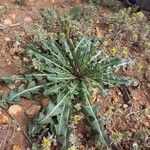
point(55, 21)
point(66, 69)
point(116, 137)
point(2, 10)
point(109, 3)
point(129, 30)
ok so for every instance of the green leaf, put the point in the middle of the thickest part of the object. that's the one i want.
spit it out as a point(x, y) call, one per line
point(74, 13)
point(52, 110)
point(44, 57)
point(91, 116)
point(14, 96)
point(62, 127)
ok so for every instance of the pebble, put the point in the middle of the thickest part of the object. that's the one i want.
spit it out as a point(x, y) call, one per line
point(125, 106)
point(12, 16)
point(16, 147)
point(12, 86)
point(3, 119)
point(7, 39)
point(18, 129)
point(148, 85)
point(119, 93)
point(147, 124)
point(28, 20)
point(148, 117)
point(33, 110)
point(15, 109)
point(140, 15)
point(8, 21)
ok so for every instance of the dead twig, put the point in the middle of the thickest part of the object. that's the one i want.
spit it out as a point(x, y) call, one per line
point(2, 26)
point(127, 97)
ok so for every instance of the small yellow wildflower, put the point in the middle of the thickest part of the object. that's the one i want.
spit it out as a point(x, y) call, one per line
point(105, 43)
point(135, 36)
point(110, 30)
point(76, 119)
point(46, 143)
point(125, 51)
point(114, 50)
point(140, 15)
point(139, 67)
point(117, 137)
point(72, 148)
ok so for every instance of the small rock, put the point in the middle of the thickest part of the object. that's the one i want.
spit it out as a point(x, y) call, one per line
point(119, 93)
point(148, 85)
point(28, 20)
point(18, 129)
point(8, 21)
point(3, 119)
point(148, 117)
point(14, 109)
point(140, 15)
point(7, 39)
point(33, 110)
point(12, 16)
point(16, 147)
point(135, 98)
point(147, 124)
point(125, 106)
point(133, 130)
point(12, 86)
point(82, 147)
point(12, 51)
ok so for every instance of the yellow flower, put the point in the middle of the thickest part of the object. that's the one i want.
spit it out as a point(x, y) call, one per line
point(72, 148)
point(76, 119)
point(46, 143)
point(140, 15)
point(139, 67)
point(114, 50)
point(110, 30)
point(105, 43)
point(125, 51)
